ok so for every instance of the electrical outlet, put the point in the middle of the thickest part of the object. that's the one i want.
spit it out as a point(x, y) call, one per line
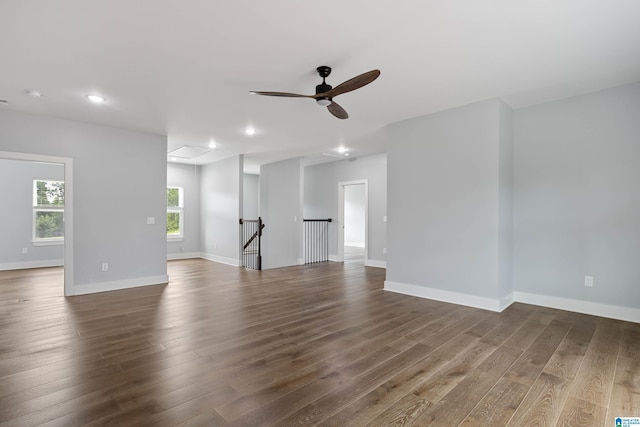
point(384, 250)
point(25, 250)
point(151, 220)
point(588, 281)
point(105, 266)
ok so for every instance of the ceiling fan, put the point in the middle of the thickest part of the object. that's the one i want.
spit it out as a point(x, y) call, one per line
point(325, 93)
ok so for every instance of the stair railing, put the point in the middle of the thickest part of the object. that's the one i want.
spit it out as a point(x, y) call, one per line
point(250, 240)
point(316, 240)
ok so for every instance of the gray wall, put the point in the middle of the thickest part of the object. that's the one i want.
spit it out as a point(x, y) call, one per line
point(119, 180)
point(221, 209)
point(577, 198)
point(445, 183)
point(251, 198)
point(16, 216)
point(281, 210)
point(321, 198)
point(505, 199)
point(187, 177)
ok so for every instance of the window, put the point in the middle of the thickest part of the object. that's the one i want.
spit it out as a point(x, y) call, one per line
point(48, 211)
point(175, 212)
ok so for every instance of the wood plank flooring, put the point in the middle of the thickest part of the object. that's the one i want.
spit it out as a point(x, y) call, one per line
point(307, 345)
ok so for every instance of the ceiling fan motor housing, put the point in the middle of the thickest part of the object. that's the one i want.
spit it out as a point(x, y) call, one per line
point(322, 88)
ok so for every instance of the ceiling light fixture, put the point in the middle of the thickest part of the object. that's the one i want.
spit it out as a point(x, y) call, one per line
point(325, 102)
point(96, 99)
point(212, 145)
point(250, 131)
point(347, 154)
point(342, 149)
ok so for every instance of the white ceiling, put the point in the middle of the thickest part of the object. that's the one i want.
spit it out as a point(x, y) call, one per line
point(185, 68)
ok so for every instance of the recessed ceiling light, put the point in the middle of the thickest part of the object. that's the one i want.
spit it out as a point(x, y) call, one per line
point(250, 131)
point(347, 154)
point(96, 98)
point(212, 144)
point(33, 93)
point(342, 149)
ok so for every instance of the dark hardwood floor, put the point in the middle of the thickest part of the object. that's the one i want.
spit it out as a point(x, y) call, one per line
point(307, 345)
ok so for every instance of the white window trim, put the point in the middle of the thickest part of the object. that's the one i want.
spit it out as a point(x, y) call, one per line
point(45, 241)
point(53, 241)
point(179, 210)
point(177, 237)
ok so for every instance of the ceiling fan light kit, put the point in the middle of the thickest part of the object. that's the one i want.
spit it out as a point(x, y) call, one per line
point(325, 92)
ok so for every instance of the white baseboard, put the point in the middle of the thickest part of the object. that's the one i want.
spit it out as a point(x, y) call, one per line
point(579, 306)
point(376, 263)
point(333, 258)
point(184, 255)
point(506, 301)
point(448, 296)
point(31, 264)
point(221, 259)
point(354, 244)
point(91, 288)
point(628, 314)
point(300, 261)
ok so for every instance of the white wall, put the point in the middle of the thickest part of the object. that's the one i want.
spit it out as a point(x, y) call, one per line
point(354, 215)
point(577, 201)
point(281, 211)
point(251, 198)
point(321, 198)
point(445, 184)
point(119, 180)
point(16, 215)
point(188, 178)
point(221, 210)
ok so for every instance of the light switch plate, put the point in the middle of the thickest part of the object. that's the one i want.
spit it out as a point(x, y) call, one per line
point(588, 281)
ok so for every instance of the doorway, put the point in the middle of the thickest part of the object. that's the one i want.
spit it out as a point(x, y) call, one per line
point(353, 224)
point(67, 251)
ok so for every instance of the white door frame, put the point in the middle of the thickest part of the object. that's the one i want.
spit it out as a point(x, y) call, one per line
point(340, 224)
point(68, 207)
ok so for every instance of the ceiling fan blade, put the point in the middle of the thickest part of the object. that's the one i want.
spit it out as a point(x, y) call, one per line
point(337, 110)
point(285, 94)
point(352, 84)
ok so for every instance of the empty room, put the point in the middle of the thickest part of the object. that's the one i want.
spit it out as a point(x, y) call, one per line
point(331, 213)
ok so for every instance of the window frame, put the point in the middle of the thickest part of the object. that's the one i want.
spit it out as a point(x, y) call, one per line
point(176, 210)
point(44, 241)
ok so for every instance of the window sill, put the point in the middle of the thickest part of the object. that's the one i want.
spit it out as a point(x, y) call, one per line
point(56, 242)
point(175, 239)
